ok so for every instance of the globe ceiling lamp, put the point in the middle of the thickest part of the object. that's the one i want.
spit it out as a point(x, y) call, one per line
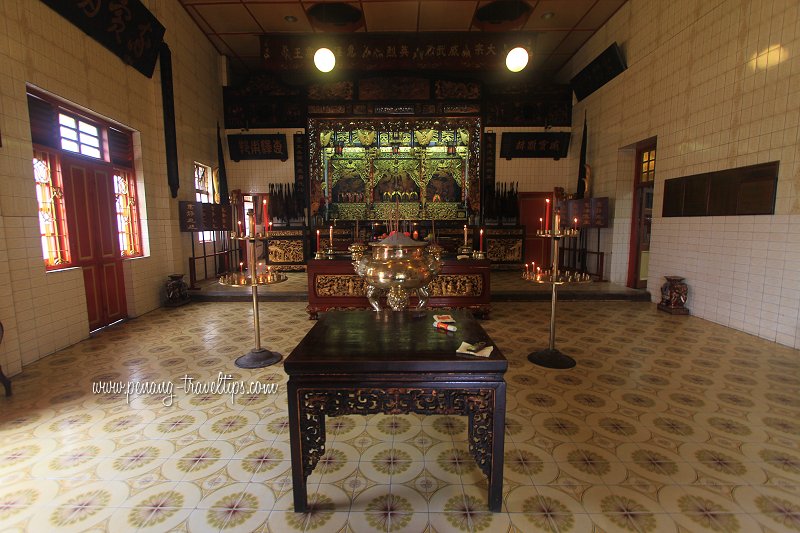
point(517, 59)
point(324, 60)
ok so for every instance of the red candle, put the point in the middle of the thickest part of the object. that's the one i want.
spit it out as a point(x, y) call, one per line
point(240, 230)
point(330, 236)
point(481, 241)
point(465, 235)
point(541, 225)
point(547, 214)
point(264, 211)
point(241, 267)
point(575, 222)
point(317, 239)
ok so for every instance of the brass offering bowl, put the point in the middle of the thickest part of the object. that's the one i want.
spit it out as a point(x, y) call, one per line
point(397, 265)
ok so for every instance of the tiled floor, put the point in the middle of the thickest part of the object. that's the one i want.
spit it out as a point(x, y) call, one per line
point(667, 424)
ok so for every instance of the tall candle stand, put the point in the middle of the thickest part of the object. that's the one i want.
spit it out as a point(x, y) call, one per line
point(550, 357)
point(258, 357)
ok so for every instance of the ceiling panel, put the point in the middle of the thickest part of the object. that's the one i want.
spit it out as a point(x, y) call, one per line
point(566, 14)
point(446, 15)
point(239, 23)
point(547, 41)
point(229, 18)
point(273, 17)
point(600, 13)
point(391, 16)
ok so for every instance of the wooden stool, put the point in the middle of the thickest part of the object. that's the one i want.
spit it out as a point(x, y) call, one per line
point(3, 379)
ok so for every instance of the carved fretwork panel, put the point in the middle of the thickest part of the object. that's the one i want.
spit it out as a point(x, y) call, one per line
point(477, 404)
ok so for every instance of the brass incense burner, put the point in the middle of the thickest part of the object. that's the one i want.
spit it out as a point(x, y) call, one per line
point(397, 266)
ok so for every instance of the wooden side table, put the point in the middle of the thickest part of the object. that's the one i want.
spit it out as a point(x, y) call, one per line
point(394, 362)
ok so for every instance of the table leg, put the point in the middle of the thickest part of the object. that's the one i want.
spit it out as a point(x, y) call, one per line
point(498, 449)
point(299, 489)
point(486, 434)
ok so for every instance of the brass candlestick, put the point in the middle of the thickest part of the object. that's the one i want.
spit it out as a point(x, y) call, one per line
point(550, 357)
point(258, 357)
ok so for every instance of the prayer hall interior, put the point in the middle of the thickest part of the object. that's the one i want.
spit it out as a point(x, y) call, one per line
point(194, 204)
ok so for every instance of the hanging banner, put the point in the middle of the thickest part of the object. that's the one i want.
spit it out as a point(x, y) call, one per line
point(258, 146)
point(546, 144)
point(127, 28)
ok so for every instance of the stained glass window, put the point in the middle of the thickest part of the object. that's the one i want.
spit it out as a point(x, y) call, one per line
point(127, 213)
point(49, 195)
point(204, 193)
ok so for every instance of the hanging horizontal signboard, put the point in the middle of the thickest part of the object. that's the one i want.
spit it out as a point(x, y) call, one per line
point(396, 51)
point(545, 144)
point(258, 146)
point(127, 28)
point(197, 216)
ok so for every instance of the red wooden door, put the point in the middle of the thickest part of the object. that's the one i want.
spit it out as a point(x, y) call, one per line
point(94, 238)
point(531, 208)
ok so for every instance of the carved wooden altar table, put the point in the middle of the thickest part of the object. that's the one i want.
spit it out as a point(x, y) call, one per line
point(394, 362)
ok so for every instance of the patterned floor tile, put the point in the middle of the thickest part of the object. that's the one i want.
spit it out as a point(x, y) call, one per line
point(665, 424)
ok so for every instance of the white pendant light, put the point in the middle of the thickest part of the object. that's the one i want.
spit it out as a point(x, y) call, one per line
point(324, 60)
point(517, 59)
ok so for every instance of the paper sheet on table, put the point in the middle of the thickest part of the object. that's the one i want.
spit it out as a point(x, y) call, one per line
point(467, 348)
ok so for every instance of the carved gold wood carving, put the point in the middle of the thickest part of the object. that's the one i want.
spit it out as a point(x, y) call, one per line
point(314, 405)
point(352, 211)
point(442, 165)
point(505, 250)
point(468, 139)
point(424, 137)
point(340, 285)
point(387, 210)
point(464, 285)
point(441, 211)
point(349, 167)
point(516, 232)
point(285, 251)
point(285, 233)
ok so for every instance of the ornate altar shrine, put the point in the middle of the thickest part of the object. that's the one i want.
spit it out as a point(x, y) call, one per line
point(380, 169)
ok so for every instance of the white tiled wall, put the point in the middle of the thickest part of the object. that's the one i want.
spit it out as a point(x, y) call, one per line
point(691, 83)
point(43, 312)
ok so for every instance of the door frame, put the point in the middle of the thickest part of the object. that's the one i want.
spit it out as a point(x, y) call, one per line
point(634, 252)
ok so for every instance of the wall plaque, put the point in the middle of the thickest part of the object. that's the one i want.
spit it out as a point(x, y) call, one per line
point(600, 71)
point(260, 146)
point(534, 144)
